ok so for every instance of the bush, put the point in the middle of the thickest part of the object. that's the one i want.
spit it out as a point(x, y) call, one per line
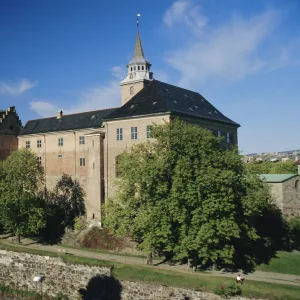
point(226, 291)
point(294, 233)
point(98, 238)
point(80, 223)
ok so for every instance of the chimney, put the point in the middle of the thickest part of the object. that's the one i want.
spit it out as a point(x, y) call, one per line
point(59, 114)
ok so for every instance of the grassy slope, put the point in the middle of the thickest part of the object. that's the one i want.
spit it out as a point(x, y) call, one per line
point(285, 262)
point(163, 277)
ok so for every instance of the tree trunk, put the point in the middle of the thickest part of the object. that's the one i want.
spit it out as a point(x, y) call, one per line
point(149, 258)
point(19, 239)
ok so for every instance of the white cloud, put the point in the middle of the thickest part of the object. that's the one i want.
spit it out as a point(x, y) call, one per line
point(101, 97)
point(44, 109)
point(186, 12)
point(230, 50)
point(15, 89)
point(118, 72)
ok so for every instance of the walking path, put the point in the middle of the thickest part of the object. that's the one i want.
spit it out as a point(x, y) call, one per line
point(256, 276)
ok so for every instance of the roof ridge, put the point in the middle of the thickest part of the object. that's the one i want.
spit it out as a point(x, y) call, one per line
point(84, 112)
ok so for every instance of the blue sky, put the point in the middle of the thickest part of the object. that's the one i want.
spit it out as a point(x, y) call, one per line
point(242, 55)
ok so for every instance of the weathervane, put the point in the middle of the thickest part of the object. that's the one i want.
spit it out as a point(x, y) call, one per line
point(137, 21)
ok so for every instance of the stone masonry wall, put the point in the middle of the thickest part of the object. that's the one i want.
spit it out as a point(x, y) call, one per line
point(19, 269)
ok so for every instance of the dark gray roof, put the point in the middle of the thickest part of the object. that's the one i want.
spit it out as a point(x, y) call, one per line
point(91, 119)
point(159, 97)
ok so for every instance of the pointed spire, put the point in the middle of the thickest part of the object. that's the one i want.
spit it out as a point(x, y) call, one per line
point(138, 49)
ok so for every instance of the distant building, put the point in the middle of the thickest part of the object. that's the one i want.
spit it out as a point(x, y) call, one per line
point(10, 127)
point(285, 191)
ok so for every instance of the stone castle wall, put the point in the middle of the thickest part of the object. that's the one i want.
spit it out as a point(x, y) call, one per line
point(19, 269)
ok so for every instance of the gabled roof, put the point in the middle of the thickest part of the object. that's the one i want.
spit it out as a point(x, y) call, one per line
point(159, 97)
point(276, 178)
point(91, 119)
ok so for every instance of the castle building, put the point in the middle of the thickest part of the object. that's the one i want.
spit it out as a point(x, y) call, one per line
point(87, 145)
point(10, 127)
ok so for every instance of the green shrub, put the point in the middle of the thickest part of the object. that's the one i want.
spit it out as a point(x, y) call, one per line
point(80, 223)
point(229, 290)
point(294, 232)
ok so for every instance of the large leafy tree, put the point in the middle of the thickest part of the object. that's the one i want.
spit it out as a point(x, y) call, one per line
point(21, 177)
point(187, 195)
point(63, 205)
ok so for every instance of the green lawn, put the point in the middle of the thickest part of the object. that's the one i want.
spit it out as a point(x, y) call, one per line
point(104, 251)
point(285, 262)
point(154, 275)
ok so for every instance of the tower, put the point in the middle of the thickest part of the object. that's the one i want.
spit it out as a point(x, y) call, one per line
point(138, 72)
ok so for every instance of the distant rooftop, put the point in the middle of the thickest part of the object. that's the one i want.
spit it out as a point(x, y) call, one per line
point(276, 178)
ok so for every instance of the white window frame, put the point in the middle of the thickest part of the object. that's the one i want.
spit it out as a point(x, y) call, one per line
point(119, 132)
point(39, 143)
point(27, 144)
point(148, 131)
point(82, 161)
point(81, 140)
point(60, 141)
point(228, 137)
point(134, 133)
point(39, 160)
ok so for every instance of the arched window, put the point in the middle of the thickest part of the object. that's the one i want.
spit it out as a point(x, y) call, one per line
point(134, 68)
point(131, 90)
point(118, 173)
point(138, 68)
point(130, 68)
point(142, 68)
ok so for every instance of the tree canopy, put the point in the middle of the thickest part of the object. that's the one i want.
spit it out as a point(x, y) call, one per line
point(21, 177)
point(268, 167)
point(186, 195)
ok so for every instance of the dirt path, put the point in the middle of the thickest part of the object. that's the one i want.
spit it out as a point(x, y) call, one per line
point(256, 276)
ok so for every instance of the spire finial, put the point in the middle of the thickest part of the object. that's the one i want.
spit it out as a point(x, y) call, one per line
point(137, 22)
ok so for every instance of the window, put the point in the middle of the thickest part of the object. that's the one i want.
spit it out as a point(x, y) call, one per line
point(39, 143)
point(134, 68)
point(39, 159)
point(134, 133)
point(27, 144)
point(138, 68)
point(119, 134)
point(59, 155)
point(228, 137)
point(131, 69)
point(60, 141)
point(81, 140)
point(131, 90)
point(219, 133)
point(82, 161)
point(118, 172)
point(148, 131)
point(143, 68)
point(93, 165)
